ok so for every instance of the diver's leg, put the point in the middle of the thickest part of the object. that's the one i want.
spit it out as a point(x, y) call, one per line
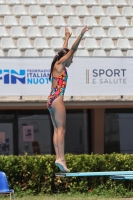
point(51, 110)
point(60, 119)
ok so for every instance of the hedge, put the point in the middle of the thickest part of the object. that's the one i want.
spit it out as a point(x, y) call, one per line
point(36, 173)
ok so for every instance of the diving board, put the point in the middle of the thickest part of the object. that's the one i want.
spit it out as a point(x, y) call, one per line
point(120, 175)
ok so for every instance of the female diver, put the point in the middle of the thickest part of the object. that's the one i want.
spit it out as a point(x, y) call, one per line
point(55, 104)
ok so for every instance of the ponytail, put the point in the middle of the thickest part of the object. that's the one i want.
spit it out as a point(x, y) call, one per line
point(57, 57)
point(52, 65)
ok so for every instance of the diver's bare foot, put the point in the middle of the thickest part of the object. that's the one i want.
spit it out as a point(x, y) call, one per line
point(62, 165)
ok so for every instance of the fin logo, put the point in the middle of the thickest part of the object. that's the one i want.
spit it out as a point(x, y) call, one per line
point(12, 76)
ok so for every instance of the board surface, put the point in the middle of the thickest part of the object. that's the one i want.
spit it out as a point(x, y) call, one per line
point(109, 173)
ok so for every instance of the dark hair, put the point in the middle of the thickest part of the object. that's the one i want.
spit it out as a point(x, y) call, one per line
point(57, 57)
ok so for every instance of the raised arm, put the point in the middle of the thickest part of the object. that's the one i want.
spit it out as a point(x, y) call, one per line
point(67, 36)
point(74, 46)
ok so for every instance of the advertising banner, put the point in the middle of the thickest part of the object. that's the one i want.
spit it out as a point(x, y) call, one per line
point(87, 76)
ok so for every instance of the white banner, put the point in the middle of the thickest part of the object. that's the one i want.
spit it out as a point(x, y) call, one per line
point(86, 76)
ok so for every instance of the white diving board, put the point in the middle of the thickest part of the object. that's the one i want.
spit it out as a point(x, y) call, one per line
point(120, 175)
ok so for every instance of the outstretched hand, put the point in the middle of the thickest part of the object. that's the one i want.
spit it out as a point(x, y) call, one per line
point(84, 30)
point(67, 33)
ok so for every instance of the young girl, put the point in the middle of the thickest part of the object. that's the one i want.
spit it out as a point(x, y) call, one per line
point(55, 101)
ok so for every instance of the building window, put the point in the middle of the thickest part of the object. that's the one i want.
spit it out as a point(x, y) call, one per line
point(118, 131)
point(34, 132)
